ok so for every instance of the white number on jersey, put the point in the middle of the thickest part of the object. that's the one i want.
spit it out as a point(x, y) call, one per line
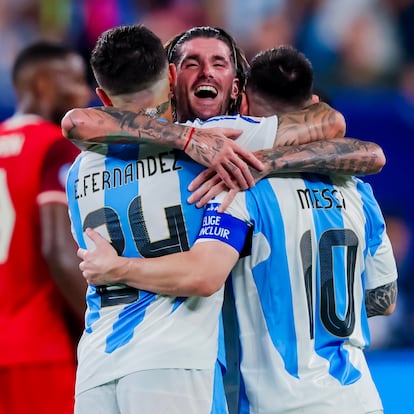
point(8, 217)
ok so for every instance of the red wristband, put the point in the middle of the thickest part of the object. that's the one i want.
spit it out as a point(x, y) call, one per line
point(190, 135)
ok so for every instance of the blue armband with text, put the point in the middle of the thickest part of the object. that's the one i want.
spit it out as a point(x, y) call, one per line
point(223, 227)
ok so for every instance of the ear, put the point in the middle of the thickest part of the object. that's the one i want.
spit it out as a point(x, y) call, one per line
point(103, 96)
point(244, 104)
point(172, 77)
point(235, 88)
point(315, 99)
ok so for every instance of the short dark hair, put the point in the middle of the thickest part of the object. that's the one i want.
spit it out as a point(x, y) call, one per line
point(128, 59)
point(41, 51)
point(238, 58)
point(281, 74)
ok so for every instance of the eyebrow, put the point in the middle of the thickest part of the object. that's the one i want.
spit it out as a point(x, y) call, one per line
point(196, 56)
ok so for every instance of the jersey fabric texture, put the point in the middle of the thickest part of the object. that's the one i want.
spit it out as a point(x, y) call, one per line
point(317, 244)
point(172, 391)
point(31, 317)
point(135, 196)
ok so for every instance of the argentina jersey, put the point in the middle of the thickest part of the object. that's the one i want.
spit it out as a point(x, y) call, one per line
point(258, 133)
point(317, 244)
point(135, 196)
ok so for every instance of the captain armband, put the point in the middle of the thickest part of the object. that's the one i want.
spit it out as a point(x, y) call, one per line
point(223, 227)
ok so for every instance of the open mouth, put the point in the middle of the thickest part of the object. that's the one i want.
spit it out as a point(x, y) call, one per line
point(205, 91)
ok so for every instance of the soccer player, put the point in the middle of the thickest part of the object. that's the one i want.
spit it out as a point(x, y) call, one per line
point(136, 196)
point(210, 67)
point(311, 261)
point(209, 82)
point(42, 289)
point(138, 345)
point(92, 181)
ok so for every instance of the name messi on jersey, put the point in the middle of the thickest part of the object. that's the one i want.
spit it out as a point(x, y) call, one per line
point(133, 171)
point(321, 199)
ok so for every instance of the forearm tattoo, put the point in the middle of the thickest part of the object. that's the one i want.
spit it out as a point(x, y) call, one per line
point(378, 300)
point(319, 121)
point(344, 156)
point(203, 153)
point(112, 125)
point(141, 123)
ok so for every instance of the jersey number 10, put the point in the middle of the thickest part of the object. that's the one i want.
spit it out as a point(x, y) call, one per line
point(336, 325)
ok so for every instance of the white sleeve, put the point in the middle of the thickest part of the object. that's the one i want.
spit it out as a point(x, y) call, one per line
point(381, 268)
point(257, 136)
point(237, 207)
point(258, 133)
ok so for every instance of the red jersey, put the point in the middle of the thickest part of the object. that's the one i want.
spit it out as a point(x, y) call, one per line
point(34, 157)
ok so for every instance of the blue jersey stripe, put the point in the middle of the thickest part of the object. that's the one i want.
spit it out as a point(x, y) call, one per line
point(72, 196)
point(274, 296)
point(129, 189)
point(230, 118)
point(374, 216)
point(129, 318)
point(192, 216)
point(374, 230)
point(326, 344)
point(94, 306)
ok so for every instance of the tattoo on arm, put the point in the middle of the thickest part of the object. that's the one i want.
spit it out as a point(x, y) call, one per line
point(378, 300)
point(113, 125)
point(127, 120)
point(128, 117)
point(344, 156)
point(317, 122)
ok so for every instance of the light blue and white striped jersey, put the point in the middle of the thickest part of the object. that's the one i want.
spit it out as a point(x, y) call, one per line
point(317, 244)
point(135, 196)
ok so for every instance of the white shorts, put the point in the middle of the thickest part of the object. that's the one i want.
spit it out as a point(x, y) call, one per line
point(158, 391)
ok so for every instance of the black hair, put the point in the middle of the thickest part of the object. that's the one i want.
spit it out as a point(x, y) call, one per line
point(128, 59)
point(41, 51)
point(173, 49)
point(281, 74)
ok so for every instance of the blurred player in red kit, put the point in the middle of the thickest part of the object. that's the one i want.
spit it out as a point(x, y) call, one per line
point(41, 289)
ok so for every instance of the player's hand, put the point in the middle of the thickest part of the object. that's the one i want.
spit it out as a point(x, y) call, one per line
point(215, 148)
point(99, 264)
point(208, 185)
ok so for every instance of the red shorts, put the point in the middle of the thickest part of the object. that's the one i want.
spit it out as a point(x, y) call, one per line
point(38, 388)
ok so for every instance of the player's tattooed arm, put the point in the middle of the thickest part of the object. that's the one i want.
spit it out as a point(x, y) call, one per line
point(317, 122)
point(111, 125)
point(381, 300)
point(210, 147)
point(343, 156)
